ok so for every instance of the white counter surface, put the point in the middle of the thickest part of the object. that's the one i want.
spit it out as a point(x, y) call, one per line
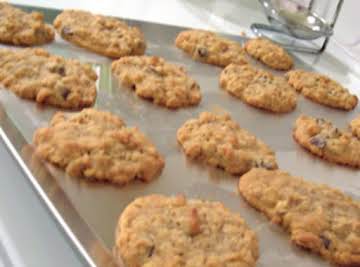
point(28, 235)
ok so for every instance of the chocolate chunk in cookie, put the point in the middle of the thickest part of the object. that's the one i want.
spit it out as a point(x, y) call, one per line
point(322, 89)
point(97, 145)
point(258, 88)
point(319, 218)
point(164, 231)
point(48, 79)
point(157, 80)
point(219, 141)
point(323, 139)
point(210, 48)
point(20, 28)
point(103, 35)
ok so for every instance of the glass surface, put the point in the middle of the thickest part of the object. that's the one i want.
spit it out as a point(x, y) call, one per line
point(302, 19)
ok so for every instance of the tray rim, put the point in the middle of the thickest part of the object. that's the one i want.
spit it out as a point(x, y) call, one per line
point(62, 218)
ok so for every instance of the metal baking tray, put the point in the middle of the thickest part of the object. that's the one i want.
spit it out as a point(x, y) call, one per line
point(88, 212)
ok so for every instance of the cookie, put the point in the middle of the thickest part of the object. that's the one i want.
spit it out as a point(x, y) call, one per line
point(208, 47)
point(319, 218)
point(97, 145)
point(156, 230)
point(20, 28)
point(48, 79)
point(219, 141)
point(258, 88)
point(269, 53)
point(323, 139)
point(322, 89)
point(106, 36)
point(154, 79)
point(355, 126)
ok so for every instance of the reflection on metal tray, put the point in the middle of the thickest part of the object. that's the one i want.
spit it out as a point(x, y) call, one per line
point(88, 211)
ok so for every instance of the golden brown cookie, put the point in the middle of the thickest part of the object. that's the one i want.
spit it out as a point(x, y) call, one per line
point(155, 79)
point(322, 89)
point(219, 141)
point(269, 53)
point(210, 48)
point(156, 231)
point(258, 88)
point(107, 36)
point(48, 79)
point(319, 218)
point(323, 139)
point(20, 28)
point(355, 126)
point(97, 145)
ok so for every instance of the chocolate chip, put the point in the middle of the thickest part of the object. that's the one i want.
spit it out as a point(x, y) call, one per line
point(133, 86)
point(318, 141)
point(58, 69)
point(202, 51)
point(67, 31)
point(335, 132)
point(263, 164)
point(65, 93)
point(194, 85)
point(326, 241)
point(61, 70)
point(151, 251)
point(320, 120)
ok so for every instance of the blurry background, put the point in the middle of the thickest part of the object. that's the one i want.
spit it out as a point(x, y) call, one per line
point(231, 16)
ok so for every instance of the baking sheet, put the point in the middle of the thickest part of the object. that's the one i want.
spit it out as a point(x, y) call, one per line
point(89, 211)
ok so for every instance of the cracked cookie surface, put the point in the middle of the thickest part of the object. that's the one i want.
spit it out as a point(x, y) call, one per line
point(318, 217)
point(322, 89)
point(269, 53)
point(220, 142)
point(258, 88)
point(104, 35)
point(157, 230)
point(323, 139)
point(208, 47)
point(155, 79)
point(20, 28)
point(35, 74)
point(97, 145)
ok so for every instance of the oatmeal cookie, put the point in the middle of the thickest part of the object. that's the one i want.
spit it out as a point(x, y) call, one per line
point(157, 80)
point(269, 53)
point(210, 48)
point(322, 89)
point(323, 139)
point(258, 88)
point(156, 231)
point(219, 141)
point(97, 145)
point(103, 35)
point(319, 218)
point(20, 28)
point(35, 74)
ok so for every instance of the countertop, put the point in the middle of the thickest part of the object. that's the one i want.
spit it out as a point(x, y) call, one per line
point(28, 234)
